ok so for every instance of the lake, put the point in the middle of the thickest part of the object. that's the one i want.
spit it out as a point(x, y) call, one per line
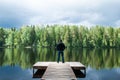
point(101, 64)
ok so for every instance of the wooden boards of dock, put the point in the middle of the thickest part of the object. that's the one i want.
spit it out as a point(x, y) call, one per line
point(58, 71)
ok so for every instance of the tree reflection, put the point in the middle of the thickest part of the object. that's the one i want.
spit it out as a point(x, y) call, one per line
point(96, 58)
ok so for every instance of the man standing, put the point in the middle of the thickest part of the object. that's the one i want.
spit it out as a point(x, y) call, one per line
point(60, 48)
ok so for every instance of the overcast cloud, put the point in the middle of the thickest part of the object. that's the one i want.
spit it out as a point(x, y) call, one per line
point(15, 13)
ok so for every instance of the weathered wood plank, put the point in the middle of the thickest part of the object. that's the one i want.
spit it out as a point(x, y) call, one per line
point(45, 64)
point(41, 64)
point(59, 71)
point(75, 64)
point(76, 67)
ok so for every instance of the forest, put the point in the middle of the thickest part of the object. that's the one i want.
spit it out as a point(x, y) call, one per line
point(49, 35)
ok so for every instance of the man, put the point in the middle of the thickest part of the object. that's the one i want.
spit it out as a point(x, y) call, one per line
point(60, 48)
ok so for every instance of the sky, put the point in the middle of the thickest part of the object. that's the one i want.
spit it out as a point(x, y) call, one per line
point(16, 13)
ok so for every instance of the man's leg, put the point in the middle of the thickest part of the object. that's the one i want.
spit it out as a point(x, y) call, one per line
point(62, 56)
point(58, 59)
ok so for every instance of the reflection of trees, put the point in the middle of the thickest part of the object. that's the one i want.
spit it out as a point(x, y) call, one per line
point(26, 57)
point(96, 58)
point(102, 58)
point(1, 56)
point(20, 57)
point(46, 54)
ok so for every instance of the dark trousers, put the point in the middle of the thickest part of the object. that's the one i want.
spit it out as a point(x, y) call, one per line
point(62, 54)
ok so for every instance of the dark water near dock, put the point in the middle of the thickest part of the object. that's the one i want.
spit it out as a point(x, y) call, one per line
point(101, 64)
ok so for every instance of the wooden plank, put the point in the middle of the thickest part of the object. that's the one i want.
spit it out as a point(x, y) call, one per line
point(41, 65)
point(59, 71)
point(76, 65)
point(45, 64)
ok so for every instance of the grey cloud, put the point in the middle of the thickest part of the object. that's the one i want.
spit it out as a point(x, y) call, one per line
point(13, 15)
point(110, 12)
point(77, 12)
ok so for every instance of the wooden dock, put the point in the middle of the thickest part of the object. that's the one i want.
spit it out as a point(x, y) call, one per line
point(58, 71)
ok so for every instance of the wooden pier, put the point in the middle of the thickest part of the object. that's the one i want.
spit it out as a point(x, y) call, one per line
point(58, 71)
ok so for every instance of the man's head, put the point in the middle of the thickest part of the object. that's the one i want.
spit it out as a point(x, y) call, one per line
point(60, 40)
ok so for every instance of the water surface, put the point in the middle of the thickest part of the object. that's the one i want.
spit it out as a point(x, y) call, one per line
point(101, 64)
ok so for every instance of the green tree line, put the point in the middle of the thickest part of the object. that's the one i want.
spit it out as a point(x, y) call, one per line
point(72, 36)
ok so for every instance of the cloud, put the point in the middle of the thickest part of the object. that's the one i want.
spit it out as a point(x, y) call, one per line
point(25, 12)
point(117, 23)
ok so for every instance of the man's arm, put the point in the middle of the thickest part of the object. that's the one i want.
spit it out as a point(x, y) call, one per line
point(63, 46)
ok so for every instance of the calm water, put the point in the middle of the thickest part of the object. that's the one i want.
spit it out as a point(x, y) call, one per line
point(101, 64)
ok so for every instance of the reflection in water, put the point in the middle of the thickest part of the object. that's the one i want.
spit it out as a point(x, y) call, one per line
point(102, 74)
point(15, 73)
point(96, 58)
point(101, 63)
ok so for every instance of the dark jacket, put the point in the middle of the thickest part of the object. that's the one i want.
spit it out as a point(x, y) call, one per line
point(60, 47)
